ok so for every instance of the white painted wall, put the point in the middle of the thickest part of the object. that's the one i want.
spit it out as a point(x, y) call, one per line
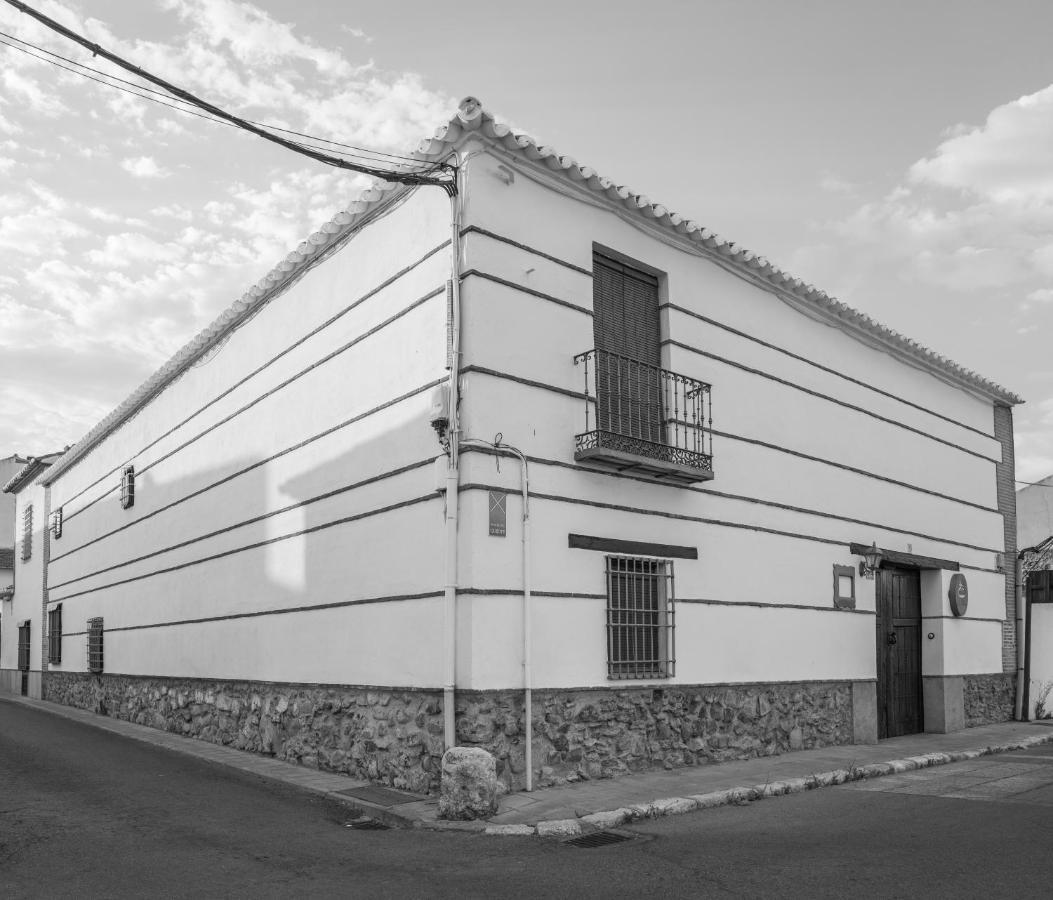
point(772, 524)
point(243, 505)
point(1041, 655)
point(29, 586)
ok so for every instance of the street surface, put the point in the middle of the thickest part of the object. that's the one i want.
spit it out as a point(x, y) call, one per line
point(85, 814)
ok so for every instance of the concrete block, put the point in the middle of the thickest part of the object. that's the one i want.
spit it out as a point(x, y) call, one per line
point(559, 828)
point(943, 699)
point(864, 712)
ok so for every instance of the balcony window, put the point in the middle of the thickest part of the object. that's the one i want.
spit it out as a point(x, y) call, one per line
point(638, 416)
point(644, 418)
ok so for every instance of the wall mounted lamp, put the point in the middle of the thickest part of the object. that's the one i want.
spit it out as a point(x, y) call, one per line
point(871, 560)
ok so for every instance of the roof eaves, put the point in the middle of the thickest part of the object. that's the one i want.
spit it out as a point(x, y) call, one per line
point(33, 467)
point(471, 118)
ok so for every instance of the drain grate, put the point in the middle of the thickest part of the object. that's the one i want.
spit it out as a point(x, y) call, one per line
point(369, 825)
point(380, 796)
point(598, 839)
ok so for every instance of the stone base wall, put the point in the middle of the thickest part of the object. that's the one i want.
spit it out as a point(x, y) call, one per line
point(601, 733)
point(390, 736)
point(395, 736)
point(989, 698)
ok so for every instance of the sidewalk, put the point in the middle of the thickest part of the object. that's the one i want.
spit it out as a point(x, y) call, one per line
point(592, 805)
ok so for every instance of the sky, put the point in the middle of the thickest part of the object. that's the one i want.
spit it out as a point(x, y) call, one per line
point(897, 155)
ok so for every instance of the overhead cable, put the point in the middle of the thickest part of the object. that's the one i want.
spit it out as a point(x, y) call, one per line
point(397, 159)
point(427, 175)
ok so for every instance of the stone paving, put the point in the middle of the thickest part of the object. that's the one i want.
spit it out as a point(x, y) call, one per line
point(587, 806)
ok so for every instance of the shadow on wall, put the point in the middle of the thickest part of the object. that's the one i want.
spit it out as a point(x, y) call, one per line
point(258, 536)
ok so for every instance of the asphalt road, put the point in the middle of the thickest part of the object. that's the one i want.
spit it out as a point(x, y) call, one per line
point(84, 813)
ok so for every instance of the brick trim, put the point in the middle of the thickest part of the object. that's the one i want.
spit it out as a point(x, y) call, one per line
point(1005, 475)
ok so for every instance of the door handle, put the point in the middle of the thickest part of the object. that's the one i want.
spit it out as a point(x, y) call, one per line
point(892, 637)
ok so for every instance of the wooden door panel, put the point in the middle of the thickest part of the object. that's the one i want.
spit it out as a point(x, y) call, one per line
point(898, 634)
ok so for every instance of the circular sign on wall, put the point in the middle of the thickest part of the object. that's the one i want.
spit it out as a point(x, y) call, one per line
point(959, 594)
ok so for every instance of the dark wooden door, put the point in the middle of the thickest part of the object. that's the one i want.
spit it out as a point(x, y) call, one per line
point(23, 656)
point(898, 652)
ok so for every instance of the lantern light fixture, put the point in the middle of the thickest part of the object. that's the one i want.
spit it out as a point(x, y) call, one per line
point(871, 561)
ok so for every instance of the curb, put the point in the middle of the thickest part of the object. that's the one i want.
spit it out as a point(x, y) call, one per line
point(673, 806)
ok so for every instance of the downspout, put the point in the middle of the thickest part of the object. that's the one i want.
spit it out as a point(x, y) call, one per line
point(499, 446)
point(449, 614)
point(1022, 661)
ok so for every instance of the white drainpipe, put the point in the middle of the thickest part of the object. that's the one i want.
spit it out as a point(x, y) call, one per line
point(499, 446)
point(1021, 642)
point(449, 617)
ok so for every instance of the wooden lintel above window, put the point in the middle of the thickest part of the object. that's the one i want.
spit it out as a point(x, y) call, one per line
point(896, 558)
point(630, 548)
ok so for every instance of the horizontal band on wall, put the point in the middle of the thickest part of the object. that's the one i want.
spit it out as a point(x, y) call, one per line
point(822, 368)
point(733, 331)
point(256, 545)
point(179, 679)
point(907, 559)
point(493, 373)
point(475, 273)
point(964, 619)
point(298, 446)
point(475, 229)
point(596, 504)
point(582, 467)
point(255, 614)
point(633, 548)
point(274, 390)
point(859, 409)
point(361, 299)
point(518, 592)
point(253, 521)
point(758, 605)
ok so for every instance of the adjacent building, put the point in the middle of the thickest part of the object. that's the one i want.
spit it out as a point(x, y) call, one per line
point(1035, 540)
point(542, 467)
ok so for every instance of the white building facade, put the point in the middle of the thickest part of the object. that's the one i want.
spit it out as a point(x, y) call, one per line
point(301, 538)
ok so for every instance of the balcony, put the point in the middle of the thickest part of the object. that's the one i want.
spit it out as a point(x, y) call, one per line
point(644, 419)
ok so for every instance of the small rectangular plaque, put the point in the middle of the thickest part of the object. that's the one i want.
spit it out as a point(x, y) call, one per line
point(498, 519)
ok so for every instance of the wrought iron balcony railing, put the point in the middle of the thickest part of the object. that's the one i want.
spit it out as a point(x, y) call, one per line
point(642, 417)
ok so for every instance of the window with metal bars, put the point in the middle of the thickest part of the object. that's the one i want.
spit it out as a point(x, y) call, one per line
point(23, 646)
point(640, 618)
point(95, 646)
point(128, 487)
point(55, 634)
point(27, 531)
point(56, 523)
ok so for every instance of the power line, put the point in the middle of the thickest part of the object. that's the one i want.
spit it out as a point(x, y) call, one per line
point(1035, 484)
point(403, 160)
point(423, 177)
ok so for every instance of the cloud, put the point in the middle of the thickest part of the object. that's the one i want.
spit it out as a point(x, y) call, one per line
point(143, 167)
point(125, 249)
point(1007, 159)
point(835, 184)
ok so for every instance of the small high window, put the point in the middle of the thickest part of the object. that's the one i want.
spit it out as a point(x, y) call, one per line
point(639, 618)
point(128, 487)
point(56, 523)
point(55, 634)
point(95, 646)
point(27, 531)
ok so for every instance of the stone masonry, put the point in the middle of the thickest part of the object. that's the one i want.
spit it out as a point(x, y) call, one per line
point(988, 699)
point(394, 736)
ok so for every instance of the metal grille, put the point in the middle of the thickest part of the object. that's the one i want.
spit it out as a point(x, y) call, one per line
point(55, 634)
point(646, 410)
point(95, 645)
point(640, 618)
point(598, 839)
point(128, 487)
point(56, 523)
point(27, 531)
point(23, 646)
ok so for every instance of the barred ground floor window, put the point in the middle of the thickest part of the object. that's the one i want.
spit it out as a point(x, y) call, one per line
point(55, 634)
point(95, 645)
point(640, 618)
